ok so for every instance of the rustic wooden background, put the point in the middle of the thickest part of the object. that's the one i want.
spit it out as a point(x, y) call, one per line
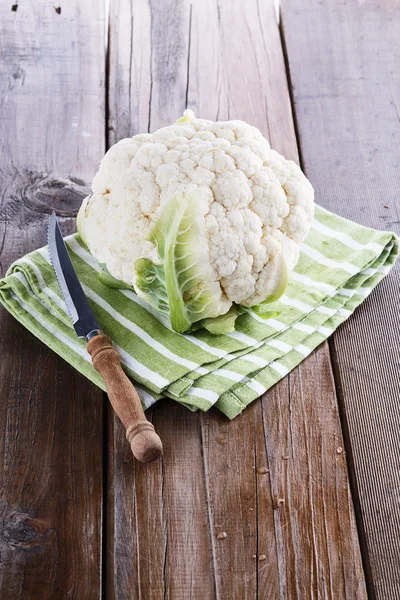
point(77, 518)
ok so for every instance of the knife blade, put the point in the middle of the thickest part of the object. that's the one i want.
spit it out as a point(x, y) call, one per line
point(83, 319)
point(145, 444)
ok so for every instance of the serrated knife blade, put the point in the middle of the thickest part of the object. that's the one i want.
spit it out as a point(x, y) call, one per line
point(83, 319)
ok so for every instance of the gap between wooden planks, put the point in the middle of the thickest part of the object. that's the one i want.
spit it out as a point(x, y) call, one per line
point(51, 418)
point(224, 60)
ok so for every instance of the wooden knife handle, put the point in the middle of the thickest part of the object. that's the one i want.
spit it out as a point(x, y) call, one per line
point(145, 443)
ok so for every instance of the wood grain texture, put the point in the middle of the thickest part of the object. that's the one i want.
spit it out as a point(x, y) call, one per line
point(343, 62)
point(240, 504)
point(52, 131)
point(148, 54)
point(315, 525)
point(158, 516)
point(224, 59)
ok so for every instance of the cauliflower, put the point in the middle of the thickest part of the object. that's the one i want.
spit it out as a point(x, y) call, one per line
point(198, 218)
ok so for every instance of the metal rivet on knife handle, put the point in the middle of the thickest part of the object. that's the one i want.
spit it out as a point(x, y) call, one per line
point(145, 443)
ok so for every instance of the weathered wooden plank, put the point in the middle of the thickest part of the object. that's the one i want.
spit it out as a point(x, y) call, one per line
point(52, 133)
point(316, 537)
point(240, 505)
point(158, 522)
point(158, 512)
point(236, 68)
point(343, 63)
point(254, 56)
point(225, 59)
point(149, 44)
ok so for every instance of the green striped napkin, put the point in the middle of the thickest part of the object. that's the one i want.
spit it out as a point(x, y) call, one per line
point(341, 262)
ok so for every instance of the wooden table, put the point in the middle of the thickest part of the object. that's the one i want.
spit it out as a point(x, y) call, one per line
point(305, 483)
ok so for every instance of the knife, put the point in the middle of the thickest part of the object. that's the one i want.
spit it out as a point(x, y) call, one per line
point(145, 444)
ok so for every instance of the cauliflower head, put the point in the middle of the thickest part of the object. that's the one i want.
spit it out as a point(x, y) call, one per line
point(198, 217)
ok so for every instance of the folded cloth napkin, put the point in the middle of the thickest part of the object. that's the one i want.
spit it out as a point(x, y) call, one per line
point(340, 264)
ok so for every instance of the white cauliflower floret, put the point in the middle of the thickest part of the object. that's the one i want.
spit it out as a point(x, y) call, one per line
point(256, 206)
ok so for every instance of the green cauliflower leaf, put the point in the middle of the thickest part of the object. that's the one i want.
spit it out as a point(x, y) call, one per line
point(180, 285)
